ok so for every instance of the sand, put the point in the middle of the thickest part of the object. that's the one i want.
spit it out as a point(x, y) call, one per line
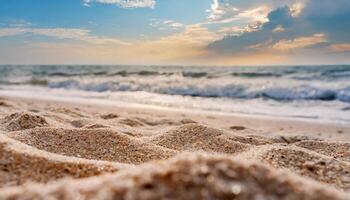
point(189, 176)
point(56, 150)
point(94, 144)
point(194, 137)
point(21, 163)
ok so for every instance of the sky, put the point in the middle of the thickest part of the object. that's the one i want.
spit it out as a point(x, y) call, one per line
point(175, 32)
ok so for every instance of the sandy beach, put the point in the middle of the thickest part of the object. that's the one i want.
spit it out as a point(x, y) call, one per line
point(175, 100)
point(60, 150)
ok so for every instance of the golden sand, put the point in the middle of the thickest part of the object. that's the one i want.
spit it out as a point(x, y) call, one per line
point(193, 137)
point(54, 151)
point(20, 163)
point(21, 121)
point(190, 176)
point(339, 150)
point(95, 144)
point(307, 163)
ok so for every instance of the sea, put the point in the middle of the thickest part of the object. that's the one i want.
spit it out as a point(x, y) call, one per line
point(316, 93)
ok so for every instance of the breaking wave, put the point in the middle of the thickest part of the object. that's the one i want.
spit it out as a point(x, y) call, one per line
point(214, 91)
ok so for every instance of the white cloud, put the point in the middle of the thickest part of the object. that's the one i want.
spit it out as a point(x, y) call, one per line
point(278, 29)
point(258, 14)
point(222, 12)
point(238, 30)
point(162, 24)
point(62, 33)
point(225, 12)
point(247, 19)
point(124, 3)
point(296, 9)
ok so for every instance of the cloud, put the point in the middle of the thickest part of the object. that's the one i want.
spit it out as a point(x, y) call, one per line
point(187, 47)
point(258, 14)
point(224, 11)
point(278, 29)
point(221, 12)
point(62, 33)
point(11, 31)
point(163, 24)
point(124, 3)
point(297, 26)
point(340, 47)
point(300, 42)
point(16, 23)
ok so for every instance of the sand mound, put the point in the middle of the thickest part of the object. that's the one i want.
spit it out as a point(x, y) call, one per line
point(250, 139)
point(131, 122)
point(69, 112)
point(95, 126)
point(109, 116)
point(338, 150)
point(189, 176)
point(4, 104)
point(80, 123)
point(157, 122)
point(238, 128)
point(198, 137)
point(187, 121)
point(294, 139)
point(304, 162)
point(97, 144)
point(20, 121)
point(20, 163)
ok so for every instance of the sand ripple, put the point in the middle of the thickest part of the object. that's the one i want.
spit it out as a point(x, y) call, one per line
point(22, 120)
point(338, 150)
point(198, 137)
point(96, 144)
point(20, 163)
point(319, 167)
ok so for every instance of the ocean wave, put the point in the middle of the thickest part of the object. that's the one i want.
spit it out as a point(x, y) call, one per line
point(344, 95)
point(194, 74)
point(36, 81)
point(235, 91)
point(69, 74)
point(256, 74)
point(125, 73)
point(323, 83)
point(299, 93)
point(303, 73)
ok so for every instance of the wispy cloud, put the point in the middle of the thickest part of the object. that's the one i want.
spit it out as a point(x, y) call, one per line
point(345, 47)
point(62, 33)
point(221, 12)
point(300, 42)
point(124, 3)
point(163, 24)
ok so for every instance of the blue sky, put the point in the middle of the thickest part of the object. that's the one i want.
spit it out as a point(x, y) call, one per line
point(193, 32)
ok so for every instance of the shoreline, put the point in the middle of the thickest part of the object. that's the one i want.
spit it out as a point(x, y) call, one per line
point(245, 108)
point(262, 124)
